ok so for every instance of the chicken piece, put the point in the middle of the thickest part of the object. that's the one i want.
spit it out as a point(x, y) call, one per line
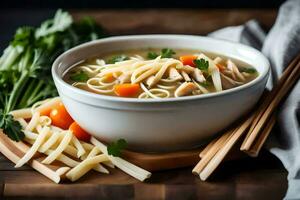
point(198, 76)
point(174, 74)
point(185, 88)
point(228, 82)
point(235, 70)
point(185, 76)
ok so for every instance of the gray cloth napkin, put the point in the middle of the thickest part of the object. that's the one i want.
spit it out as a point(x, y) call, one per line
point(280, 46)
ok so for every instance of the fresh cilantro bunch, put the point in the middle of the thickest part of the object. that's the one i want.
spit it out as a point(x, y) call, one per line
point(25, 65)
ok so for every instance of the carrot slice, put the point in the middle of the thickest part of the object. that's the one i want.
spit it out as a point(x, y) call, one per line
point(188, 60)
point(109, 77)
point(60, 116)
point(127, 89)
point(79, 132)
point(46, 111)
point(221, 67)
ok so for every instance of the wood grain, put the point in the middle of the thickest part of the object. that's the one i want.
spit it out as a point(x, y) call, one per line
point(173, 184)
point(188, 21)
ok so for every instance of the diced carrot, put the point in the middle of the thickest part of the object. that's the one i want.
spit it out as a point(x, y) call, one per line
point(127, 89)
point(221, 67)
point(60, 116)
point(79, 132)
point(45, 112)
point(109, 77)
point(188, 60)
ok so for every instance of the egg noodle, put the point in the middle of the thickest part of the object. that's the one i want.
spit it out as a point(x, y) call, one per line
point(158, 78)
point(162, 77)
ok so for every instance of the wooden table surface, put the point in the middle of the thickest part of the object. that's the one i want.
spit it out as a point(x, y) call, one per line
point(248, 178)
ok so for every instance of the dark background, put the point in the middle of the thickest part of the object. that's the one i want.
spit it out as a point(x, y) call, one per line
point(14, 13)
point(38, 4)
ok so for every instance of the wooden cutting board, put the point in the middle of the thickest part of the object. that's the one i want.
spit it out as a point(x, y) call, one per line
point(150, 162)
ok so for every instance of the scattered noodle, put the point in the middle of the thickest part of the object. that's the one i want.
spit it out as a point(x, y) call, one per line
point(64, 143)
point(30, 153)
point(22, 113)
point(50, 142)
point(85, 166)
point(33, 122)
point(79, 147)
point(22, 122)
point(44, 105)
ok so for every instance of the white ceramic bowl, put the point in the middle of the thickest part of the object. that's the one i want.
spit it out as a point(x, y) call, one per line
point(154, 124)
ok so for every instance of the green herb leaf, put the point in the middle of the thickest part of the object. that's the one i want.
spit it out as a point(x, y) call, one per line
point(118, 58)
point(202, 64)
point(11, 128)
point(152, 55)
point(115, 148)
point(79, 77)
point(60, 22)
point(24, 36)
point(205, 84)
point(248, 70)
point(167, 53)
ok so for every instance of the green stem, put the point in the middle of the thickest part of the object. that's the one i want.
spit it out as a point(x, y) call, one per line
point(26, 96)
point(11, 57)
point(16, 92)
point(32, 98)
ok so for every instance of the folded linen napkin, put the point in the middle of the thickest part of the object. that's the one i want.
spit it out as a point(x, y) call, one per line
point(280, 46)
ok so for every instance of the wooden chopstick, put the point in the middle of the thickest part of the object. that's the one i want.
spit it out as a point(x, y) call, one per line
point(263, 106)
point(214, 148)
point(256, 147)
point(264, 113)
point(224, 150)
point(207, 147)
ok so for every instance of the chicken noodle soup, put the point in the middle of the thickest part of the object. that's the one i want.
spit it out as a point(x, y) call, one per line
point(155, 73)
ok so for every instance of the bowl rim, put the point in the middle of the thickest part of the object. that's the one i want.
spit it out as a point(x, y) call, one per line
point(58, 60)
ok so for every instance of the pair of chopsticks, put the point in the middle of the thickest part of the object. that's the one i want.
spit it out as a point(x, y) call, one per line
point(258, 124)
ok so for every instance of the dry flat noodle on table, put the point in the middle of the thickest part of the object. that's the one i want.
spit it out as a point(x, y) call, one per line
point(259, 124)
point(57, 153)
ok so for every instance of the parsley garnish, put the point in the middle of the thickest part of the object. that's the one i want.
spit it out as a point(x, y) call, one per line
point(79, 77)
point(165, 53)
point(13, 129)
point(201, 64)
point(205, 84)
point(115, 148)
point(118, 58)
point(248, 70)
point(152, 55)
